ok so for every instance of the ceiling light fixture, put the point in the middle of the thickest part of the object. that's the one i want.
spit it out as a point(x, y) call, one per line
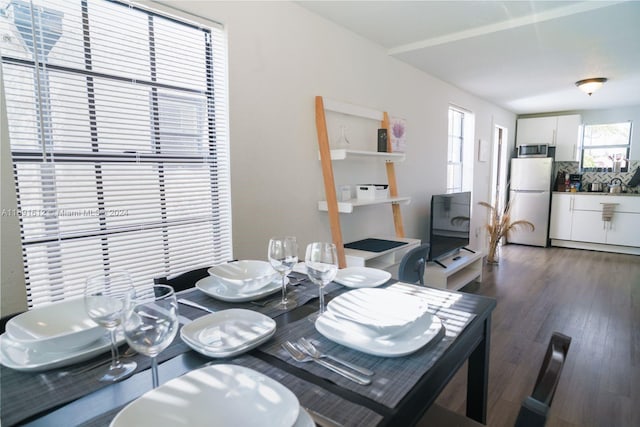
point(589, 86)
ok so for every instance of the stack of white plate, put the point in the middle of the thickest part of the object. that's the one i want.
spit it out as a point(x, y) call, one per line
point(227, 333)
point(379, 322)
point(52, 336)
point(218, 395)
point(241, 281)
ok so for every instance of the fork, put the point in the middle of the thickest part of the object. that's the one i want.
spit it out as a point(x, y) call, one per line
point(299, 356)
point(312, 351)
point(195, 305)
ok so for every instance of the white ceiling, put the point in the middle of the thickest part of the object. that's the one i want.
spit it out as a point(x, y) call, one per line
point(522, 55)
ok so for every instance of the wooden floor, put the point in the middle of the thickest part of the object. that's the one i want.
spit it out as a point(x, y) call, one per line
point(594, 297)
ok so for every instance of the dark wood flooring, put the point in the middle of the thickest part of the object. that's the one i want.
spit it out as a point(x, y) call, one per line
point(594, 297)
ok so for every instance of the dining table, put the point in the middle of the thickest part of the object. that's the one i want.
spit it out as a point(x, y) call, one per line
point(401, 390)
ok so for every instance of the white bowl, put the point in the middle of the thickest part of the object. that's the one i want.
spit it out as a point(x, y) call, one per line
point(382, 311)
point(248, 274)
point(60, 326)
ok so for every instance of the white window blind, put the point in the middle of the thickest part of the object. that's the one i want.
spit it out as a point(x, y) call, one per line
point(119, 137)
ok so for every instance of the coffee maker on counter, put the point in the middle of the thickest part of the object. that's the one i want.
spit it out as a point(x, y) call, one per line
point(575, 181)
point(568, 182)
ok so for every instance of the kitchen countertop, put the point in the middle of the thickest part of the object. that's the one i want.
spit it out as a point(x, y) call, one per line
point(589, 193)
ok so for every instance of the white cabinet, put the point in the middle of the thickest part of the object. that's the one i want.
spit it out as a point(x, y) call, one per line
point(624, 229)
point(536, 130)
point(460, 270)
point(567, 138)
point(588, 226)
point(561, 219)
point(388, 260)
point(563, 132)
point(577, 221)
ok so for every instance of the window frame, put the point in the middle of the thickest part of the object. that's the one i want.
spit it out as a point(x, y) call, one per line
point(584, 148)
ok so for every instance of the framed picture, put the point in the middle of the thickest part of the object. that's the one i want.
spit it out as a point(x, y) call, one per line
point(398, 130)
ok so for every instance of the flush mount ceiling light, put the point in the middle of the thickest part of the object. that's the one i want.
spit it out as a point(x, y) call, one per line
point(589, 86)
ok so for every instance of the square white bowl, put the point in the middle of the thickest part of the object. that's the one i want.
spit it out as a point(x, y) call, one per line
point(60, 326)
point(250, 275)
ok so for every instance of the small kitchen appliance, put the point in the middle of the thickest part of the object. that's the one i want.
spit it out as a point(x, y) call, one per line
point(533, 150)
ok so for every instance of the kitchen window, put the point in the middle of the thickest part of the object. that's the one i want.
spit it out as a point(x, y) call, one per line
point(606, 147)
point(119, 138)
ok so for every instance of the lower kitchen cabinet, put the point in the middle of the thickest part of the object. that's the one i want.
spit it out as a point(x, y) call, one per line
point(588, 226)
point(577, 221)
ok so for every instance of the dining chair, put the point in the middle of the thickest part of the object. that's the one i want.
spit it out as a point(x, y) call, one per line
point(182, 281)
point(413, 263)
point(534, 409)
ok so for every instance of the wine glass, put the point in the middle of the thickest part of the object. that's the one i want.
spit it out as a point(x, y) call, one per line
point(321, 261)
point(151, 323)
point(283, 256)
point(106, 298)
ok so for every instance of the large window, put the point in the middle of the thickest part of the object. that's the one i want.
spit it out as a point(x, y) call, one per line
point(460, 150)
point(605, 147)
point(118, 130)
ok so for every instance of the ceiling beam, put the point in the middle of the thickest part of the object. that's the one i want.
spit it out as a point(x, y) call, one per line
point(535, 18)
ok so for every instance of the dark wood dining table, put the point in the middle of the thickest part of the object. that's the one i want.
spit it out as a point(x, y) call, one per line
point(403, 388)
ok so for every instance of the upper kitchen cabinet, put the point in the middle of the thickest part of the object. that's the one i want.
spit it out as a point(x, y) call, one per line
point(563, 132)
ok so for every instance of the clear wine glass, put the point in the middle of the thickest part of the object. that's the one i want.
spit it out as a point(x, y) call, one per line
point(106, 299)
point(321, 261)
point(151, 323)
point(283, 256)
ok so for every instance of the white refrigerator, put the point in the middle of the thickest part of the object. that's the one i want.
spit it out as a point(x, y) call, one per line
point(530, 194)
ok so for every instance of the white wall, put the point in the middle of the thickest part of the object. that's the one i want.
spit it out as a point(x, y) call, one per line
point(280, 57)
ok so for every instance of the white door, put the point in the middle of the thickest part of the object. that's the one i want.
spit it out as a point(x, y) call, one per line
point(532, 207)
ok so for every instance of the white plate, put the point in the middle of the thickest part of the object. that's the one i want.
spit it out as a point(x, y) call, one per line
point(362, 277)
point(383, 311)
point(363, 339)
point(247, 275)
point(218, 395)
point(227, 333)
point(60, 326)
point(215, 288)
point(21, 358)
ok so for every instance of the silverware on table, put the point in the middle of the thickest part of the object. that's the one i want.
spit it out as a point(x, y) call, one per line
point(194, 305)
point(298, 355)
point(312, 351)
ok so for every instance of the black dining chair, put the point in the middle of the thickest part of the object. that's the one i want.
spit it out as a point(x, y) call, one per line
point(413, 263)
point(182, 281)
point(534, 409)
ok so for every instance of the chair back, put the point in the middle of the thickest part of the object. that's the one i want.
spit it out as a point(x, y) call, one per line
point(183, 281)
point(412, 265)
point(535, 408)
